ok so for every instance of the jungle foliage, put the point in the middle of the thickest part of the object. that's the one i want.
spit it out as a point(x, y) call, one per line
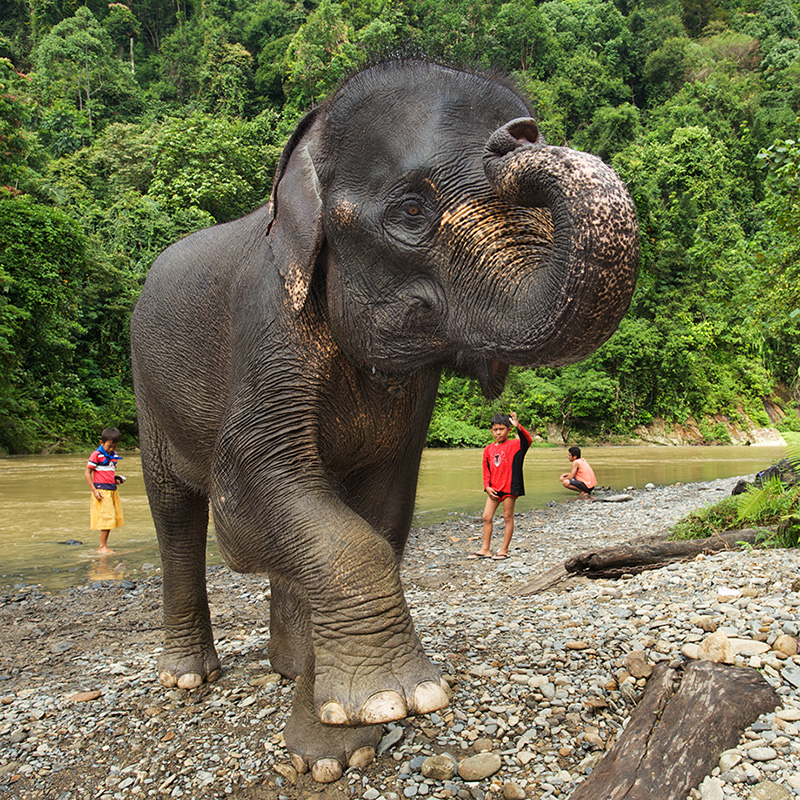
point(124, 126)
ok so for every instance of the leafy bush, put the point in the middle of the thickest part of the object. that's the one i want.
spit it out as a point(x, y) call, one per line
point(445, 431)
point(790, 423)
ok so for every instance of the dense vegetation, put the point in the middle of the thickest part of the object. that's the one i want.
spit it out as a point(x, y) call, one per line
point(123, 127)
point(771, 505)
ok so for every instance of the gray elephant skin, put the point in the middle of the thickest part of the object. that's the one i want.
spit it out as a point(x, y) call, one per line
point(286, 366)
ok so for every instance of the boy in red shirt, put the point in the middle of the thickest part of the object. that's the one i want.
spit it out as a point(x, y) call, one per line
point(581, 477)
point(502, 480)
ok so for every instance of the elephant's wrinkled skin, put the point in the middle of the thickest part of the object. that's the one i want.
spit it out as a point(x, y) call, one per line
point(286, 366)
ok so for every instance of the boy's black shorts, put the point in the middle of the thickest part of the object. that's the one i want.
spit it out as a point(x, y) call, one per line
point(580, 486)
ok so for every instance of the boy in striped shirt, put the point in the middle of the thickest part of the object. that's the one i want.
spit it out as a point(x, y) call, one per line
point(105, 510)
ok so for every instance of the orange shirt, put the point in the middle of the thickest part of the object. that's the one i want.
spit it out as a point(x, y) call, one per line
point(585, 473)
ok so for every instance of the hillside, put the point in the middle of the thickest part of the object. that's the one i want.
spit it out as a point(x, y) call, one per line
point(124, 127)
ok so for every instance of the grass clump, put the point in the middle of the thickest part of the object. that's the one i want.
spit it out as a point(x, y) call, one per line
point(706, 522)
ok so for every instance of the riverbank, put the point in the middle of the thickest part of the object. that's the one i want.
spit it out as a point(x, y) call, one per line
point(541, 680)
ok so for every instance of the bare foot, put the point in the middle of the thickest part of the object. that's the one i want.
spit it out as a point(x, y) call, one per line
point(104, 550)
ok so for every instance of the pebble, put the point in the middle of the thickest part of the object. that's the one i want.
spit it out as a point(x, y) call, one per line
point(542, 684)
point(439, 767)
point(769, 791)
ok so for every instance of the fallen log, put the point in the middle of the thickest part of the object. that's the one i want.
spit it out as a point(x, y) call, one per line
point(547, 580)
point(634, 557)
point(684, 721)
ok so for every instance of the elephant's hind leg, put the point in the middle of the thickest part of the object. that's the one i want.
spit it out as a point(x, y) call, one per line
point(325, 750)
point(180, 515)
point(289, 645)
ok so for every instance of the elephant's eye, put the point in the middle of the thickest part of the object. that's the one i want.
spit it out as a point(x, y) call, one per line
point(410, 219)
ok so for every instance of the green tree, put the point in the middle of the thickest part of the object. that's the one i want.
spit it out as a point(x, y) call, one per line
point(227, 76)
point(15, 141)
point(319, 55)
point(220, 165)
point(42, 275)
point(75, 64)
point(775, 253)
point(520, 38)
point(123, 27)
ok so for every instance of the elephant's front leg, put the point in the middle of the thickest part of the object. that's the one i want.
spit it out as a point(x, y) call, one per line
point(327, 750)
point(369, 666)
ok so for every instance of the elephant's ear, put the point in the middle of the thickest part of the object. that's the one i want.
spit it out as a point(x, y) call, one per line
point(295, 228)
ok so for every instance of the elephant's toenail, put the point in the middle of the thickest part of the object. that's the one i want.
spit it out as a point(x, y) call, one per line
point(191, 680)
point(213, 675)
point(431, 696)
point(166, 679)
point(383, 707)
point(362, 757)
point(333, 714)
point(326, 770)
point(298, 763)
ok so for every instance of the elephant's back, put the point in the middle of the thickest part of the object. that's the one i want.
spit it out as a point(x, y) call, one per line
point(182, 325)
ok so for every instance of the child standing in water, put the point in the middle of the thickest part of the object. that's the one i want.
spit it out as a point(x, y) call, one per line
point(502, 480)
point(105, 509)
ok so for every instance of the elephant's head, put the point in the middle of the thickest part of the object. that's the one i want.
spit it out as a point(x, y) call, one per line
point(446, 231)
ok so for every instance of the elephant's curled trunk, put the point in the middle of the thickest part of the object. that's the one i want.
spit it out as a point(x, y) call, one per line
point(584, 291)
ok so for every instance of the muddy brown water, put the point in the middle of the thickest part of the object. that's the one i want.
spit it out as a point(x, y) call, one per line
point(44, 502)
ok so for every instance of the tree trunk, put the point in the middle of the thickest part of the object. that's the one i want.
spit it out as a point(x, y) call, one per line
point(677, 732)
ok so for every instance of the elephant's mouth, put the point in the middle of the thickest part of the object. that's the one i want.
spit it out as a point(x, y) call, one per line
point(490, 373)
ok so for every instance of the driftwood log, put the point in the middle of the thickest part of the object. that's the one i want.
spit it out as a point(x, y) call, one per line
point(684, 721)
point(634, 557)
point(631, 558)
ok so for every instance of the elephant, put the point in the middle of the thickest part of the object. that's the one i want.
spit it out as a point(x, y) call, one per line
point(286, 366)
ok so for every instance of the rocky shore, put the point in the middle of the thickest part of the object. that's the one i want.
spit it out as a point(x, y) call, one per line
point(542, 684)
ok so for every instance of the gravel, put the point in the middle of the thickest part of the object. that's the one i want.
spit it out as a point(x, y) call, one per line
point(542, 684)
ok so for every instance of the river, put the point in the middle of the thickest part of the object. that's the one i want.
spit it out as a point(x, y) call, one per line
point(44, 502)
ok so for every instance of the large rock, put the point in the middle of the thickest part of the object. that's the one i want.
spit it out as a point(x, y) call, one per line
point(716, 648)
point(439, 768)
point(476, 768)
point(767, 790)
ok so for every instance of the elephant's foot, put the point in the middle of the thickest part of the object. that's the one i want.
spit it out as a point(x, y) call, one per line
point(188, 668)
point(358, 686)
point(328, 751)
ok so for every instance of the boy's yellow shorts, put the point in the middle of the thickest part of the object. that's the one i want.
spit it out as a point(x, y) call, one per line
point(106, 513)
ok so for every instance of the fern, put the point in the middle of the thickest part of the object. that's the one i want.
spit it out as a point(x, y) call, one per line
point(757, 503)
